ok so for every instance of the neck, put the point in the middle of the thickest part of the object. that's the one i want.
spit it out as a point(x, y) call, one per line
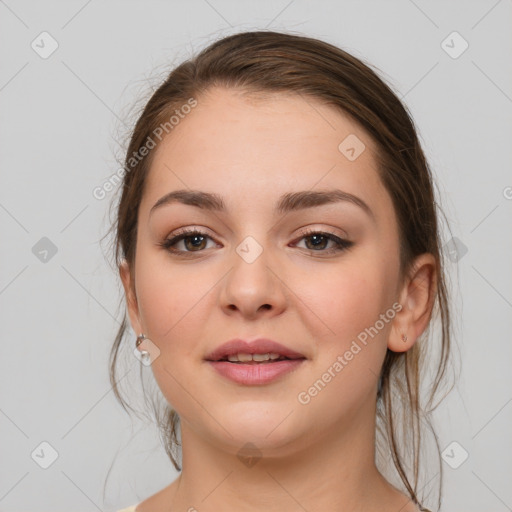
point(328, 470)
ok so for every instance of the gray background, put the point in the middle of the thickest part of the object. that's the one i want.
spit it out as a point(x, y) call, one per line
point(62, 119)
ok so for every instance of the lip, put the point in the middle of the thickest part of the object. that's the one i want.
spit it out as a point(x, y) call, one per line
point(258, 346)
point(253, 374)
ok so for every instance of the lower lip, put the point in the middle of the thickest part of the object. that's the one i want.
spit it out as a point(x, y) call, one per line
point(255, 374)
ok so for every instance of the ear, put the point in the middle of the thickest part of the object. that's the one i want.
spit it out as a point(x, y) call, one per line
point(417, 297)
point(131, 298)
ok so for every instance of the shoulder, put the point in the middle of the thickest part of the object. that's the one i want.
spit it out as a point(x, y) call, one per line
point(156, 502)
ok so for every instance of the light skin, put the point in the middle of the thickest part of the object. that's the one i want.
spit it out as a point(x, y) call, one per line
point(251, 151)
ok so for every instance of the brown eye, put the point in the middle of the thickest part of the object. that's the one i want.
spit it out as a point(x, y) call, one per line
point(193, 241)
point(317, 241)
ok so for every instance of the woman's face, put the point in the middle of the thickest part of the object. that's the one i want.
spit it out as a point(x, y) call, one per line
point(257, 271)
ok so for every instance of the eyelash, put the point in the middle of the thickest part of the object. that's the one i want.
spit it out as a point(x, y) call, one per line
point(342, 244)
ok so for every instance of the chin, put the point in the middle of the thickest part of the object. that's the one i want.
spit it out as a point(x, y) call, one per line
point(265, 426)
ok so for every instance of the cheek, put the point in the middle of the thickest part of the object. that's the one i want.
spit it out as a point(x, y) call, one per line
point(346, 301)
point(170, 300)
point(350, 304)
point(174, 306)
point(353, 344)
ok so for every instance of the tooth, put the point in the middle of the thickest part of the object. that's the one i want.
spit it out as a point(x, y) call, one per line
point(247, 358)
point(261, 357)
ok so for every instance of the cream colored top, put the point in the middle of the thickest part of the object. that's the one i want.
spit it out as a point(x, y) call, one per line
point(132, 509)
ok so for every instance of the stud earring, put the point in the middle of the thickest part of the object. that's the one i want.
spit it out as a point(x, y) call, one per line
point(144, 354)
point(404, 337)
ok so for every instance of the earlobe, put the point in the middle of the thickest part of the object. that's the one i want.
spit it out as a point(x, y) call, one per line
point(131, 299)
point(417, 300)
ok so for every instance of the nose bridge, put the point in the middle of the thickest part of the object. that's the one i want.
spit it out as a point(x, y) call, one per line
point(252, 282)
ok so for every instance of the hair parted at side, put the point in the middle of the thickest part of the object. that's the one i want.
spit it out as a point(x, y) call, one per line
point(268, 62)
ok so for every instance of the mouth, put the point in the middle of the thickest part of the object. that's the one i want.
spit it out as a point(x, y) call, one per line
point(251, 359)
point(260, 351)
point(257, 363)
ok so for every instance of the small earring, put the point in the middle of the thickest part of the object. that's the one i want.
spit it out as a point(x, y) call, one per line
point(144, 354)
point(404, 337)
point(140, 338)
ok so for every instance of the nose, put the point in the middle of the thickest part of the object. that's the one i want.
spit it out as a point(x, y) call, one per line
point(253, 287)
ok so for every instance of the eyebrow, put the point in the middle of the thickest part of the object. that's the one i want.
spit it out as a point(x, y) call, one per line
point(288, 202)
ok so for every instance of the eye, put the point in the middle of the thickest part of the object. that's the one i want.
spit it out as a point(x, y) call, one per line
point(317, 241)
point(193, 241)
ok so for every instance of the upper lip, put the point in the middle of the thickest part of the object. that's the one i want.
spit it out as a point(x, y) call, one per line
point(258, 346)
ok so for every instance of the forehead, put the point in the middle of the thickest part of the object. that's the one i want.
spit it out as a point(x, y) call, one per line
point(256, 147)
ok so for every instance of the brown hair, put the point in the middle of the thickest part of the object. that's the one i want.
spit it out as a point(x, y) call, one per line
point(267, 61)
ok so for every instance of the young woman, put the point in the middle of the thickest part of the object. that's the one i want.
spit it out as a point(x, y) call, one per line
point(278, 243)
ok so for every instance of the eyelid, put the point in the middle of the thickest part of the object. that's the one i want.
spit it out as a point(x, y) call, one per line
point(327, 229)
point(192, 229)
point(182, 233)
